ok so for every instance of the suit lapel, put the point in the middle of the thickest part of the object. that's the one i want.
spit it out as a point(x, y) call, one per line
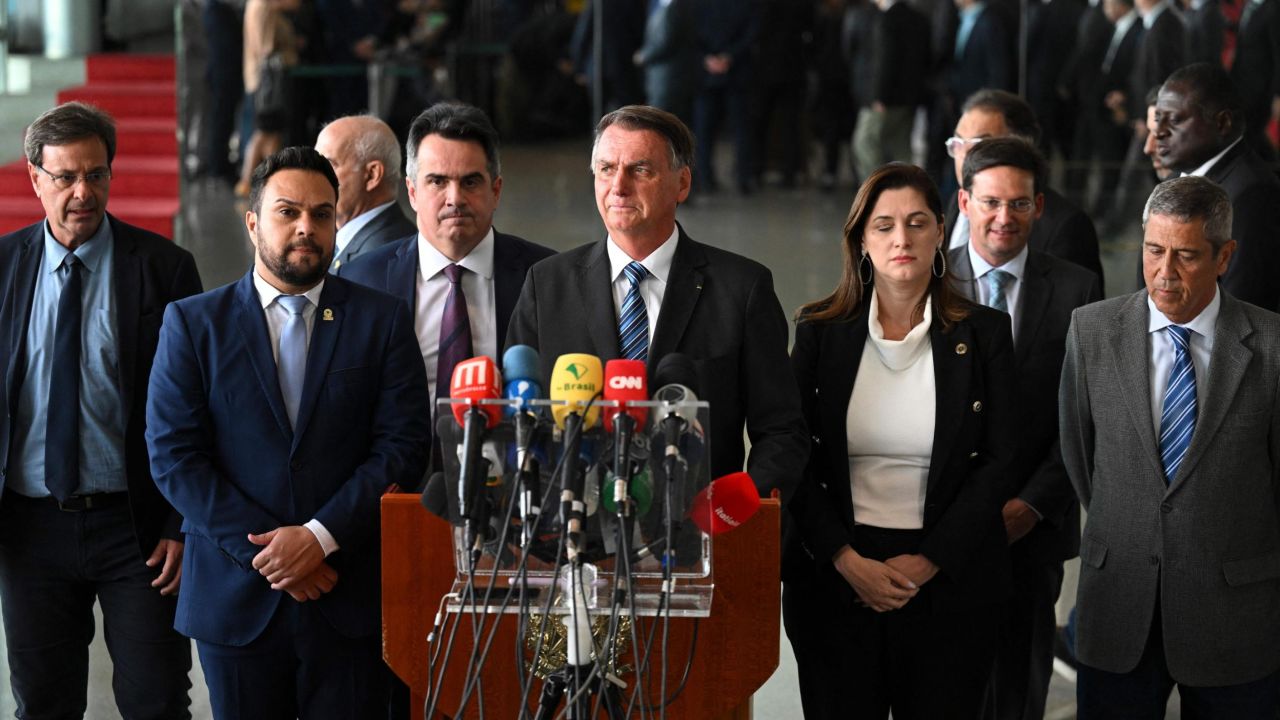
point(684, 285)
point(23, 289)
point(257, 341)
point(508, 277)
point(597, 298)
point(1231, 359)
point(402, 274)
point(953, 354)
point(127, 267)
point(1033, 301)
point(1130, 350)
point(962, 273)
point(325, 329)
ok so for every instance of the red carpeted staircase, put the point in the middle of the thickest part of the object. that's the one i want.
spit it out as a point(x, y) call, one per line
point(138, 91)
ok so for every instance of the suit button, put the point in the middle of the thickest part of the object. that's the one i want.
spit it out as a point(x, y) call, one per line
point(973, 455)
point(1166, 508)
point(296, 465)
point(961, 349)
point(1155, 560)
point(977, 406)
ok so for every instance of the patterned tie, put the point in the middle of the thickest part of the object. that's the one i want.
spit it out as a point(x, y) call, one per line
point(455, 332)
point(633, 325)
point(1178, 419)
point(997, 282)
point(62, 433)
point(292, 365)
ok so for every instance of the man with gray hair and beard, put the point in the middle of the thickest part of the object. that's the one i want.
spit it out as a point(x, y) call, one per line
point(1170, 428)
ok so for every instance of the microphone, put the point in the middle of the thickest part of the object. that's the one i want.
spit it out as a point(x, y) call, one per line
point(676, 377)
point(725, 504)
point(624, 382)
point(474, 380)
point(520, 368)
point(576, 380)
point(435, 495)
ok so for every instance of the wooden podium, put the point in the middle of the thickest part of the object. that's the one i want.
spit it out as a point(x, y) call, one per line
point(736, 651)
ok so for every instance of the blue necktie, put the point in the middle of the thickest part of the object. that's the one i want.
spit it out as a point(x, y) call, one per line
point(997, 281)
point(62, 431)
point(292, 363)
point(1178, 418)
point(633, 325)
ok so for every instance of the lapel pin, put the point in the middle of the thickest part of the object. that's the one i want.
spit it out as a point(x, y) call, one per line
point(961, 348)
point(328, 314)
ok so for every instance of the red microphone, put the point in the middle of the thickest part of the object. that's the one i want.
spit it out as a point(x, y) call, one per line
point(625, 381)
point(725, 504)
point(473, 380)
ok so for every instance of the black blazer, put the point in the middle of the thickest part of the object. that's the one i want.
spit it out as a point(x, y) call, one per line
point(1051, 290)
point(150, 272)
point(1063, 231)
point(1256, 68)
point(385, 228)
point(900, 61)
point(720, 310)
point(1081, 74)
point(987, 60)
point(1162, 49)
point(1255, 194)
point(394, 269)
point(974, 442)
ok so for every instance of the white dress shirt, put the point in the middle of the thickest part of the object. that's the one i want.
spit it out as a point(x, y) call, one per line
point(1162, 351)
point(652, 288)
point(1017, 267)
point(959, 233)
point(1208, 164)
point(277, 316)
point(1150, 18)
point(355, 224)
point(433, 290)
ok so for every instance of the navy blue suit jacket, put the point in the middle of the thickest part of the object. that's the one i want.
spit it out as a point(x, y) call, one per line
point(223, 453)
point(149, 271)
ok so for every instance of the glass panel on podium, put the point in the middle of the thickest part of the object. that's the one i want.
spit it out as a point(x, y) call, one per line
point(505, 485)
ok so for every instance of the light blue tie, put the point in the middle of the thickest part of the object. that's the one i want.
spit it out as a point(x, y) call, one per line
point(633, 325)
point(997, 281)
point(292, 363)
point(1178, 418)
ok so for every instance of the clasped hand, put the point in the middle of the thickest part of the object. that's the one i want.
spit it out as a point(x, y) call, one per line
point(293, 562)
point(887, 585)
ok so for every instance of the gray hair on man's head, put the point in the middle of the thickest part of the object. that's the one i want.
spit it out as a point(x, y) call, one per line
point(377, 142)
point(1193, 198)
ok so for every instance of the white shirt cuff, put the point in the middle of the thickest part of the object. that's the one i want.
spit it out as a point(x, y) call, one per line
point(327, 543)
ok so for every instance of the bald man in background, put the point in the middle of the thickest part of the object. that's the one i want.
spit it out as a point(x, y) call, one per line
point(365, 156)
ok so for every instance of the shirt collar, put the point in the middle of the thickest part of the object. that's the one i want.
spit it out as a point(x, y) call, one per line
point(353, 226)
point(479, 261)
point(1208, 164)
point(972, 11)
point(1150, 18)
point(267, 293)
point(1016, 267)
point(658, 263)
point(1126, 22)
point(1203, 324)
point(90, 252)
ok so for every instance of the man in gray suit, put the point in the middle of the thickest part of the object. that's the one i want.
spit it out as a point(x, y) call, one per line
point(1171, 436)
point(365, 156)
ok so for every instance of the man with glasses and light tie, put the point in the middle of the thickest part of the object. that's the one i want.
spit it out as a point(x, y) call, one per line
point(1170, 413)
point(1002, 198)
point(81, 519)
point(1062, 230)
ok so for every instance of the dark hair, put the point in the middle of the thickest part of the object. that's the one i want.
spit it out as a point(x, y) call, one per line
point(1153, 94)
point(66, 124)
point(1193, 198)
point(290, 158)
point(1018, 115)
point(645, 117)
point(453, 121)
point(1003, 152)
point(1210, 92)
point(845, 302)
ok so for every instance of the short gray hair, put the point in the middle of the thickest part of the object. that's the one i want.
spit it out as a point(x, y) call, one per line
point(646, 117)
point(378, 142)
point(1193, 198)
point(66, 124)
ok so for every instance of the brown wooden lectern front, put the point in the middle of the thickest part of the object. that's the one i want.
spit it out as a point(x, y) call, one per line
point(736, 651)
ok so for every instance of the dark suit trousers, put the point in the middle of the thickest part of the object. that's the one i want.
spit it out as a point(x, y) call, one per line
point(1143, 693)
point(1024, 655)
point(856, 663)
point(53, 564)
point(713, 103)
point(299, 667)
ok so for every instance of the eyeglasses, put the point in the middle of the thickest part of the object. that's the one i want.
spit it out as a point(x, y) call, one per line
point(66, 181)
point(955, 142)
point(1020, 206)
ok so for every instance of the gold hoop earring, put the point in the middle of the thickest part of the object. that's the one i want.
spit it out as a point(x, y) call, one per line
point(865, 263)
point(943, 257)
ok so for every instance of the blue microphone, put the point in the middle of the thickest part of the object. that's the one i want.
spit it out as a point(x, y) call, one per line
point(520, 369)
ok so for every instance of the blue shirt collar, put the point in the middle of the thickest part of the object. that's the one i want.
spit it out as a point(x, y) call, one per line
point(90, 251)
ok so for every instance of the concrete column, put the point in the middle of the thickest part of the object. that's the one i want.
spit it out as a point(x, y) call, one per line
point(71, 27)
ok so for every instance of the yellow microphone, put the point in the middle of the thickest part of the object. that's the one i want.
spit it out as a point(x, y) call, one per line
point(577, 379)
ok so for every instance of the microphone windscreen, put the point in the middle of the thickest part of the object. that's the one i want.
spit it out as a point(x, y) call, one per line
point(476, 379)
point(676, 369)
point(725, 504)
point(625, 382)
point(520, 362)
point(435, 496)
point(577, 380)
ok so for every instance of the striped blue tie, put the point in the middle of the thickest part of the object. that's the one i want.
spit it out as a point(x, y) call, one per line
point(1178, 419)
point(633, 325)
point(997, 281)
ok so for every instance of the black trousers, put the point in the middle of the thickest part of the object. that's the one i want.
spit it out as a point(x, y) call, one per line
point(53, 565)
point(917, 662)
point(1024, 652)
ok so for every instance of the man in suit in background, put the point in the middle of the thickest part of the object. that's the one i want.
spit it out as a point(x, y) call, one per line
point(1171, 434)
point(281, 408)
point(1079, 88)
point(1106, 108)
point(1162, 49)
point(454, 176)
point(80, 518)
point(1199, 131)
point(896, 86)
point(984, 52)
point(365, 156)
point(1062, 230)
point(685, 297)
point(1256, 71)
point(1001, 196)
point(669, 57)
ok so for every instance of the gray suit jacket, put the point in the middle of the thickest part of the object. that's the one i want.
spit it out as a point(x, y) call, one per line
point(1207, 546)
point(385, 228)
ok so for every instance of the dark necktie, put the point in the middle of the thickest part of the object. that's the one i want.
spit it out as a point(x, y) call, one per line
point(633, 323)
point(62, 434)
point(1178, 417)
point(455, 332)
